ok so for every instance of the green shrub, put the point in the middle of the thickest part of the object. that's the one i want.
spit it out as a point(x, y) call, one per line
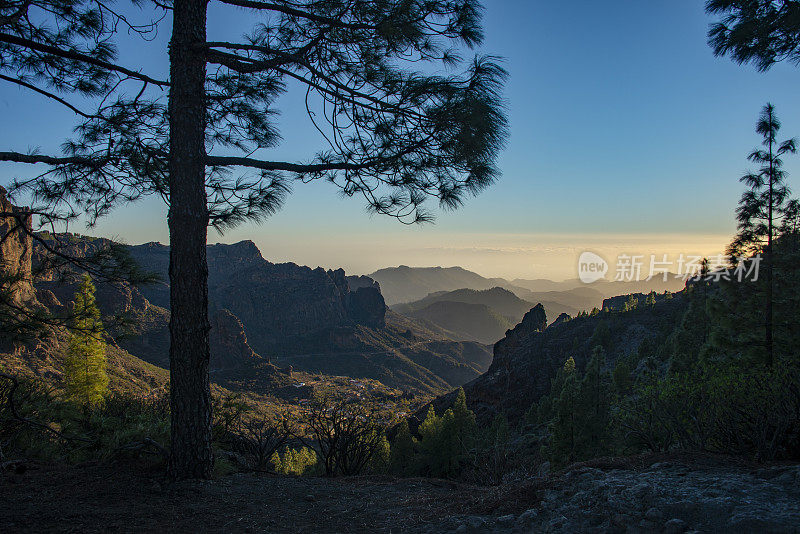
point(302, 461)
point(722, 407)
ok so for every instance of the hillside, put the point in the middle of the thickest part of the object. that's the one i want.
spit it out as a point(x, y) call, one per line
point(263, 314)
point(473, 322)
point(407, 284)
point(527, 358)
point(501, 301)
point(482, 315)
point(315, 320)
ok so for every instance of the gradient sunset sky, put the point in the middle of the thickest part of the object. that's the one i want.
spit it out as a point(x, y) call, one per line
point(627, 135)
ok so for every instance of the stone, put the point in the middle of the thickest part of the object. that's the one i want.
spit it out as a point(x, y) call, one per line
point(229, 346)
point(506, 519)
point(674, 526)
point(654, 514)
point(528, 516)
point(16, 250)
point(544, 469)
point(283, 305)
point(475, 521)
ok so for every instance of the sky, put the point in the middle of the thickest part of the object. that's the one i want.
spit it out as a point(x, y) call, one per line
point(627, 137)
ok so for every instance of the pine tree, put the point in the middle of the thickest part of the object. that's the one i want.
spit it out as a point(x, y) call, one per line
point(593, 408)
point(465, 426)
point(758, 31)
point(562, 421)
point(85, 362)
point(622, 377)
point(403, 116)
point(564, 427)
point(402, 457)
point(763, 210)
point(445, 440)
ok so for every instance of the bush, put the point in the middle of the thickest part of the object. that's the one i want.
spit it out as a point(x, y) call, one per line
point(723, 407)
point(348, 436)
point(258, 440)
point(42, 425)
point(302, 461)
point(493, 457)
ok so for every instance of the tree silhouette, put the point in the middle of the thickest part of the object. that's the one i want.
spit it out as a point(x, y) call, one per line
point(397, 134)
point(764, 208)
point(762, 32)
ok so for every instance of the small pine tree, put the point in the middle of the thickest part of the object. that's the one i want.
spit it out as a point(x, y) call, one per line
point(622, 377)
point(465, 426)
point(444, 441)
point(564, 427)
point(429, 431)
point(593, 407)
point(402, 459)
point(85, 362)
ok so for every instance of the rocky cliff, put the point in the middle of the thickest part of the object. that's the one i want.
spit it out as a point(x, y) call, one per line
point(526, 360)
point(282, 304)
point(16, 251)
point(312, 319)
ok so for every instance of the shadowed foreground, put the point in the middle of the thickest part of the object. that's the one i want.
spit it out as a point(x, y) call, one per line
point(643, 494)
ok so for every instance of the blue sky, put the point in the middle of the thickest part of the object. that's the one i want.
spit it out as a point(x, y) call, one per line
point(627, 134)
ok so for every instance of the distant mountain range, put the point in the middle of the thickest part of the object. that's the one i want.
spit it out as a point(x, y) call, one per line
point(477, 315)
point(408, 284)
point(265, 316)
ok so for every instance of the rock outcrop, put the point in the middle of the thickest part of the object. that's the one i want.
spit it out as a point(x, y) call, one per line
point(665, 497)
point(16, 251)
point(311, 319)
point(563, 318)
point(527, 359)
point(280, 304)
point(229, 346)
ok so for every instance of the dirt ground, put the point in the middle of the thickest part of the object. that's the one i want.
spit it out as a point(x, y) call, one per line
point(640, 494)
point(131, 498)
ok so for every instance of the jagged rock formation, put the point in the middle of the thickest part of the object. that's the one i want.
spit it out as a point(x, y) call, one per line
point(280, 304)
point(229, 346)
point(563, 318)
point(16, 251)
point(358, 281)
point(311, 319)
point(527, 359)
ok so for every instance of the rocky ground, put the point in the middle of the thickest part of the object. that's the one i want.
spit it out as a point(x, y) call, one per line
point(652, 495)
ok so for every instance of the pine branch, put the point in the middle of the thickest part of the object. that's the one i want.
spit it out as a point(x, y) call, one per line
point(77, 56)
point(45, 93)
point(18, 157)
point(294, 12)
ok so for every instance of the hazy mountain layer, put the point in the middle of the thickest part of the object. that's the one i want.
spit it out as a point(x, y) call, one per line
point(484, 315)
point(408, 284)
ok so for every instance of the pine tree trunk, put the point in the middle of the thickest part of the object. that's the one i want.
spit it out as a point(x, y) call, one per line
point(190, 395)
point(768, 319)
